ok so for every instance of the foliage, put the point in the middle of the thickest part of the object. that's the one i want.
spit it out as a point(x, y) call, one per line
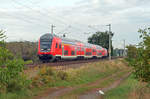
point(46, 75)
point(132, 52)
point(12, 78)
point(2, 38)
point(140, 57)
point(28, 62)
point(101, 38)
point(23, 49)
point(5, 55)
point(63, 75)
point(11, 75)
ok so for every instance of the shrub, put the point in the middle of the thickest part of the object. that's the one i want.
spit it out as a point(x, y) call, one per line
point(12, 76)
point(140, 57)
point(46, 71)
point(2, 88)
point(5, 55)
point(62, 75)
point(46, 75)
point(29, 62)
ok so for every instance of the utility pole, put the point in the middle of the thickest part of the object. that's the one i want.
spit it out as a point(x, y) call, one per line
point(124, 44)
point(52, 28)
point(109, 41)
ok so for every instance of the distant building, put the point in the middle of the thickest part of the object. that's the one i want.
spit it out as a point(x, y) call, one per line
point(119, 52)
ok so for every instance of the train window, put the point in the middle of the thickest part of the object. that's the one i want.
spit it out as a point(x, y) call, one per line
point(78, 48)
point(60, 45)
point(88, 53)
point(72, 53)
point(100, 53)
point(65, 52)
point(56, 45)
point(94, 50)
point(82, 49)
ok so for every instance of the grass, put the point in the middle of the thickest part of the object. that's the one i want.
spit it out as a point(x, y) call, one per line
point(24, 94)
point(75, 77)
point(122, 91)
point(84, 79)
point(90, 73)
point(15, 95)
point(142, 91)
point(28, 62)
point(102, 84)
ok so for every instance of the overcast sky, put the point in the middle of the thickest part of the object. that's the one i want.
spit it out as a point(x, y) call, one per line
point(29, 19)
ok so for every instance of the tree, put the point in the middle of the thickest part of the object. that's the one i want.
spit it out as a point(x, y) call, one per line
point(2, 38)
point(102, 39)
point(5, 55)
point(140, 57)
point(132, 52)
point(12, 77)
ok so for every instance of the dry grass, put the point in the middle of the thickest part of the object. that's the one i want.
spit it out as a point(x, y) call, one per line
point(31, 72)
point(102, 66)
point(140, 92)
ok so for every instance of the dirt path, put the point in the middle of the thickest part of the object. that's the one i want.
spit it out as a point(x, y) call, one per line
point(54, 93)
point(94, 93)
point(51, 93)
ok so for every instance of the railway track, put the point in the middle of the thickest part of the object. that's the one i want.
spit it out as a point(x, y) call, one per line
point(65, 63)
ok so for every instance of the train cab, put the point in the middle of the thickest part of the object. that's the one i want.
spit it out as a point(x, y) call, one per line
point(45, 47)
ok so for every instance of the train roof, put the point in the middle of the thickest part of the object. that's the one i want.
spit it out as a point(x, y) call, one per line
point(46, 36)
point(71, 41)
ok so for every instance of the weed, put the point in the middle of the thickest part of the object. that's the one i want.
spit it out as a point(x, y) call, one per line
point(122, 91)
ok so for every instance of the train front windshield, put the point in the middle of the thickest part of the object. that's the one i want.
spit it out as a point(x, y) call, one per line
point(46, 42)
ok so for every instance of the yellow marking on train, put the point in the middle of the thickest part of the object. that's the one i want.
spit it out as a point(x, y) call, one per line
point(67, 44)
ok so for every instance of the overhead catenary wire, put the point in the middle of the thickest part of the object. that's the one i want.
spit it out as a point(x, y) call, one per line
point(64, 29)
point(36, 19)
point(31, 9)
point(45, 12)
point(20, 19)
point(40, 12)
point(60, 18)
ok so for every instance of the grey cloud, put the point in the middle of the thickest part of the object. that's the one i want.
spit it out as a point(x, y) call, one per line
point(126, 17)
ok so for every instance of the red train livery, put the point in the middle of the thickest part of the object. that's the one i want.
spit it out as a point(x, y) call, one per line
point(52, 48)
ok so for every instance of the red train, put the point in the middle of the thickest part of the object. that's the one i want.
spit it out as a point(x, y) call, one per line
point(52, 48)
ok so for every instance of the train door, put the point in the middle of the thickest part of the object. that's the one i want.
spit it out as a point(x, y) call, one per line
point(62, 50)
point(75, 51)
point(57, 49)
point(79, 50)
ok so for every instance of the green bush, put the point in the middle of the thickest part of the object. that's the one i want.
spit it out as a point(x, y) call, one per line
point(5, 55)
point(139, 57)
point(12, 76)
point(63, 75)
point(28, 62)
point(46, 75)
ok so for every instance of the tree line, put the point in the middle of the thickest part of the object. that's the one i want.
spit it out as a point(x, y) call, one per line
point(139, 56)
